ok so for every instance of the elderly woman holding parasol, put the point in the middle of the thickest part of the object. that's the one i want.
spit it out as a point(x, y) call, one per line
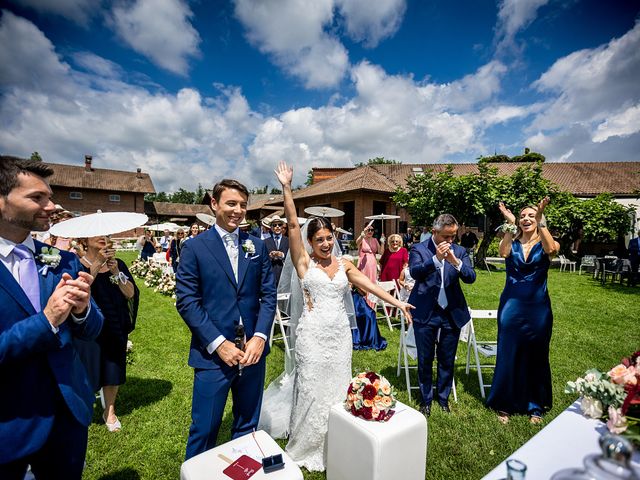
point(117, 295)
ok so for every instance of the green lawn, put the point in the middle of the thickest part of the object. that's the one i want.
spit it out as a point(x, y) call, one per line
point(595, 326)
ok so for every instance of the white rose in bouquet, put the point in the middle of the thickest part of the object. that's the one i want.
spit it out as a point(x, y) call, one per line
point(591, 407)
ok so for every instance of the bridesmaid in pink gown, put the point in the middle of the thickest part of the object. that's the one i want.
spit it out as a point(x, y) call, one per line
point(368, 246)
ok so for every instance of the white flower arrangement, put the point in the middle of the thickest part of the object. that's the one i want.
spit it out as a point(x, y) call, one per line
point(248, 247)
point(50, 257)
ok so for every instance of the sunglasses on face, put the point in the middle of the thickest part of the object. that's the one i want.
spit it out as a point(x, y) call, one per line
point(277, 224)
point(368, 230)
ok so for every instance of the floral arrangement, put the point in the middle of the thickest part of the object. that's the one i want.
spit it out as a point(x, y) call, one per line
point(614, 396)
point(371, 397)
point(155, 277)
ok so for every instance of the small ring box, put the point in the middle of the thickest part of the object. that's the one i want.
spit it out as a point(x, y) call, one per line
point(272, 463)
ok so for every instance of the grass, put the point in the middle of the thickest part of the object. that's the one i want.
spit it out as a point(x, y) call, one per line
point(594, 326)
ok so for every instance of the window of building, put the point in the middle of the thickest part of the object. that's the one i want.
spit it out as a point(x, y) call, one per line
point(114, 198)
point(75, 195)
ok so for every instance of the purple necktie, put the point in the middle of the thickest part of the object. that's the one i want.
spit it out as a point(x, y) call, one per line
point(28, 275)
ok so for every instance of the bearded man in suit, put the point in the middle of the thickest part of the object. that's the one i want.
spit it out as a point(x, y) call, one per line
point(46, 403)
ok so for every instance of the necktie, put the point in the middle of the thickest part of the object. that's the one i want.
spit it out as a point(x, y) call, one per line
point(232, 250)
point(442, 296)
point(277, 242)
point(28, 275)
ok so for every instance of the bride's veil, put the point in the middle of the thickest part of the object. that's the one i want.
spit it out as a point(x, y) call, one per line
point(278, 397)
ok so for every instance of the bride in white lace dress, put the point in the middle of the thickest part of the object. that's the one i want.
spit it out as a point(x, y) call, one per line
point(299, 401)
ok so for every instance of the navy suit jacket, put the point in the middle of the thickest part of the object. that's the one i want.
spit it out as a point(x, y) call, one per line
point(634, 248)
point(424, 295)
point(210, 300)
point(35, 362)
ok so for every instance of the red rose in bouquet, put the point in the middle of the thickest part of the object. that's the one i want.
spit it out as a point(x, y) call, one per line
point(370, 396)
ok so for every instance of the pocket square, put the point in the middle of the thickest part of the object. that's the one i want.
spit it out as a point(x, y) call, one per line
point(254, 257)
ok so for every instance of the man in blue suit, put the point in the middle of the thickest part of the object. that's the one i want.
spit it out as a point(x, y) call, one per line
point(438, 265)
point(46, 403)
point(634, 259)
point(225, 288)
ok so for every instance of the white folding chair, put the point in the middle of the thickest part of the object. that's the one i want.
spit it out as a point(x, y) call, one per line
point(390, 288)
point(485, 348)
point(282, 320)
point(566, 263)
point(588, 261)
point(403, 360)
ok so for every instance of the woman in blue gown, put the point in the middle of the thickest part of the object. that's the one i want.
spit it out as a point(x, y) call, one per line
point(522, 380)
point(367, 336)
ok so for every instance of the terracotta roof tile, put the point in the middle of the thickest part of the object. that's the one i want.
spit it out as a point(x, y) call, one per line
point(580, 178)
point(75, 176)
point(175, 209)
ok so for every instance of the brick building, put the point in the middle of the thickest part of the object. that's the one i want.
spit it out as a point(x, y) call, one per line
point(85, 189)
point(367, 190)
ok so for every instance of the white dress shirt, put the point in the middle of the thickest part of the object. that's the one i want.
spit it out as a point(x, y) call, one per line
point(11, 261)
point(213, 346)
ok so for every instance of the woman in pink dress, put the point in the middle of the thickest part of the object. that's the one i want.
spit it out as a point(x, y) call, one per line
point(368, 247)
point(393, 259)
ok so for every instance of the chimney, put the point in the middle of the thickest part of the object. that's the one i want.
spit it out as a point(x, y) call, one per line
point(138, 172)
point(87, 163)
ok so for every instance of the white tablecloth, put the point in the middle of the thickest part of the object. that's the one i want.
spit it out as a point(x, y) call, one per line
point(209, 465)
point(563, 443)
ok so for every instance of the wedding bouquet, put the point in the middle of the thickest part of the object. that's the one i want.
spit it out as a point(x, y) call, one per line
point(371, 397)
point(614, 396)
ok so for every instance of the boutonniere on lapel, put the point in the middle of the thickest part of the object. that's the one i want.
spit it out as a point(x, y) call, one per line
point(50, 258)
point(248, 247)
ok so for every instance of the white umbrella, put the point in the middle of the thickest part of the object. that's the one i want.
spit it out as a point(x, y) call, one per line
point(383, 217)
point(98, 224)
point(324, 212)
point(160, 227)
point(206, 218)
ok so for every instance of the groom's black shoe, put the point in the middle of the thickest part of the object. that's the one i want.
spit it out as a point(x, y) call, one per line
point(445, 407)
point(425, 410)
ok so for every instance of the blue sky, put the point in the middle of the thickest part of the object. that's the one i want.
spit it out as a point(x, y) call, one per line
point(195, 91)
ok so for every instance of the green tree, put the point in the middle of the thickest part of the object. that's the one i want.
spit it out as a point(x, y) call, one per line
point(275, 191)
point(36, 156)
point(200, 193)
point(600, 219)
point(379, 161)
point(528, 156)
point(156, 197)
point(309, 181)
point(183, 196)
point(467, 196)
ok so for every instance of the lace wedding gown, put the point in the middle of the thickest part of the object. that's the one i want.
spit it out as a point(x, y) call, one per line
point(322, 373)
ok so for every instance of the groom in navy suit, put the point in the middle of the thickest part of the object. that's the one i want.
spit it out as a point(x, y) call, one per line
point(224, 286)
point(46, 402)
point(438, 265)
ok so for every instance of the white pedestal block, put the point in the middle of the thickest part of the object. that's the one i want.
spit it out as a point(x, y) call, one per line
point(208, 465)
point(392, 450)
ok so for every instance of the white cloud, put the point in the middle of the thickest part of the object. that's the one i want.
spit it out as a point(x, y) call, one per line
point(620, 125)
point(79, 11)
point(299, 35)
point(292, 32)
point(590, 85)
point(513, 16)
point(371, 22)
point(593, 107)
point(184, 139)
point(574, 144)
point(160, 30)
point(27, 56)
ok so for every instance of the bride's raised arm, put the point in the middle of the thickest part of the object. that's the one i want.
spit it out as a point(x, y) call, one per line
point(299, 255)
